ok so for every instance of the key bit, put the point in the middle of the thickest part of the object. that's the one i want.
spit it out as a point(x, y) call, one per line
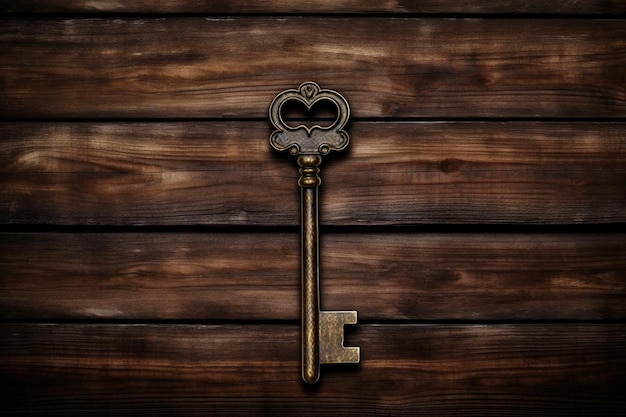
point(322, 331)
point(332, 349)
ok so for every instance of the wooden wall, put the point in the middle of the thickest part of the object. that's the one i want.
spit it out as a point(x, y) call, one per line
point(149, 260)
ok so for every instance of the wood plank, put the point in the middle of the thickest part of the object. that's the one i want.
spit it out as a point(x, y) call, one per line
point(504, 370)
point(255, 276)
point(599, 7)
point(223, 173)
point(386, 67)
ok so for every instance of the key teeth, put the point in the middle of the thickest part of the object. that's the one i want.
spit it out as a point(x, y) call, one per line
point(332, 349)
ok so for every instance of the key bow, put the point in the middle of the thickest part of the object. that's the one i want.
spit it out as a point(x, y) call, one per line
point(303, 140)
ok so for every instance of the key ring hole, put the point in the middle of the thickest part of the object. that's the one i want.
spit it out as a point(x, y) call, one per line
point(323, 113)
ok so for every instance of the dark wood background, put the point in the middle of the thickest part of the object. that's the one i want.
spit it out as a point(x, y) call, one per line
point(149, 260)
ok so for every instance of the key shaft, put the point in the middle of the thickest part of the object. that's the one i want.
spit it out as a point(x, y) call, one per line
point(309, 183)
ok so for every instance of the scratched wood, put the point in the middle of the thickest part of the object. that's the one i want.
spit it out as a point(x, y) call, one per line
point(191, 67)
point(244, 276)
point(599, 7)
point(504, 370)
point(225, 173)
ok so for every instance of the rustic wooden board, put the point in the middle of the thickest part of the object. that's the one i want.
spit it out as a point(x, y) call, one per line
point(243, 276)
point(387, 67)
point(504, 370)
point(224, 173)
point(100, 128)
point(600, 7)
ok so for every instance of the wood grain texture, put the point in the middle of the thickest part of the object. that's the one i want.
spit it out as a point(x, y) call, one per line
point(599, 7)
point(243, 276)
point(224, 173)
point(386, 67)
point(102, 127)
point(504, 370)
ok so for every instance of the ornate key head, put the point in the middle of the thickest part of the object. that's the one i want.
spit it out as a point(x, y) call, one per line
point(314, 140)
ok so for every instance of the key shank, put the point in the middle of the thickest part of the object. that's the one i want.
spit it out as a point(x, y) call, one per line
point(322, 331)
point(309, 182)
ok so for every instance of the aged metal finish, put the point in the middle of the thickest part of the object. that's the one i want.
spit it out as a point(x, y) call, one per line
point(332, 349)
point(322, 331)
point(314, 140)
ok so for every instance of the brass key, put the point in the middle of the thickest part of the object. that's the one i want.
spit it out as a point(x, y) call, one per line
point(322, 331)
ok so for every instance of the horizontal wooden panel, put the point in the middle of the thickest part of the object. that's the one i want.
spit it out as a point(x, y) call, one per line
point(256, 276)
point(505, 370)
point(318, 6)
point(386, 67)
point(224, 173)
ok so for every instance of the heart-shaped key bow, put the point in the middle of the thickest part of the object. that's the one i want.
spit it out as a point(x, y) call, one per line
point(316, 139)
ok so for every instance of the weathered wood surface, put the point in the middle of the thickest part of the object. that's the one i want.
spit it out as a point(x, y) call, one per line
point(224, 173)
point(243, 276)
point(599, 7)
point(386, 67)
point(504, 370)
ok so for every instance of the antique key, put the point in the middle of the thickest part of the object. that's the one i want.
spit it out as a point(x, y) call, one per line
point(322, 331)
